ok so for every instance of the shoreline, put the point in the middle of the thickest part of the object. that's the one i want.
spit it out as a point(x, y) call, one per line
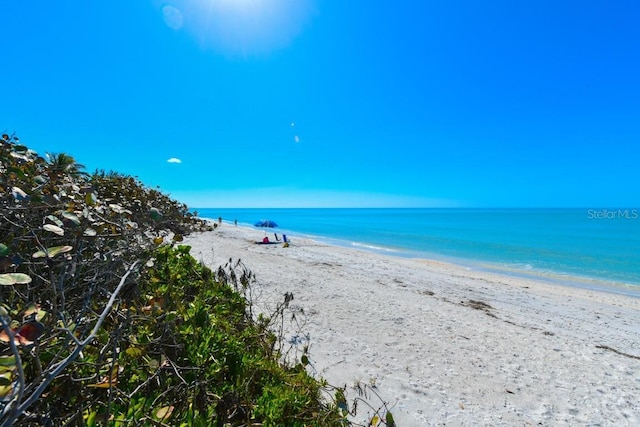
point(558, 277)
point(564, 244)
point(447, 345)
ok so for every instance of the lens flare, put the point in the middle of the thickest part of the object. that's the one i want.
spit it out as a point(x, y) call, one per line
point(172, 17)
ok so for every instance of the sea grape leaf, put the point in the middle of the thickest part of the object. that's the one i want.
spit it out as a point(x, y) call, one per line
point(28, 333)
point(19, 156)
point(39, 254)
point(54, 220)
point(7, 363)
point(153, 364)
point(134, 352)
point(6, 386)
point(53, 229)
point(90, 232)
point(164, 413)
point(155, 214)
point(90, 199)
point(71, 217)
point(52, 252)
point(8, 279)
point(34, 312)
point(5, 379)
point(117, 208)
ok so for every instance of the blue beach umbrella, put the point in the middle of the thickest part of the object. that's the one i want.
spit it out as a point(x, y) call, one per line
point(266, 223)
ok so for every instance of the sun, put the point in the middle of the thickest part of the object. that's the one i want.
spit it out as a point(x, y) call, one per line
point(242, 4)
point(240, 26)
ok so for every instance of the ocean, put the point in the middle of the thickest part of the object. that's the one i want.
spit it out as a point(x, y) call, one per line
point(593, 248)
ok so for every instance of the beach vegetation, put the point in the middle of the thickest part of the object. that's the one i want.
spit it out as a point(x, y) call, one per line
point(106, 319)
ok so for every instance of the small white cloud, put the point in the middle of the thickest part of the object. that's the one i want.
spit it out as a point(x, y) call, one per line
point(174, 160)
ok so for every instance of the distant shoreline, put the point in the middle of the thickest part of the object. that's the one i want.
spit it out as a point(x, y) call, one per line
point(589, 283)
point(560, 277)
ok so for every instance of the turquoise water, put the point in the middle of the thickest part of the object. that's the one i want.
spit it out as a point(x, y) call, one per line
point(579, 245)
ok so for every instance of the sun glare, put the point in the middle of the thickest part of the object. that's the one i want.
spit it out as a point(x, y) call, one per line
point(241, 4)
point(242, 27)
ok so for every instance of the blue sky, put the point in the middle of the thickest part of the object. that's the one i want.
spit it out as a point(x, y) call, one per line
point(295, 103)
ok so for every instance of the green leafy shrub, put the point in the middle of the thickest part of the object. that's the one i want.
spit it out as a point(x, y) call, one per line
point(105, 321)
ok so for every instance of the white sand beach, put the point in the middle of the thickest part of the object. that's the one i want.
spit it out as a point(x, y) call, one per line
point(445, 345)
